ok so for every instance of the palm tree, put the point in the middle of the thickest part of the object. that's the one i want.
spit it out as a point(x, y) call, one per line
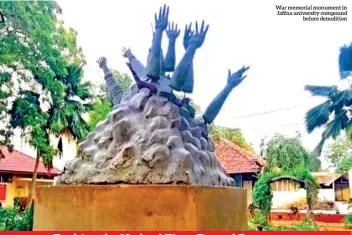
point(67, 99)
point(335, 113)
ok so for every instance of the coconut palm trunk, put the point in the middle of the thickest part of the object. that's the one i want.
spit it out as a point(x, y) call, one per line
point(34, 181)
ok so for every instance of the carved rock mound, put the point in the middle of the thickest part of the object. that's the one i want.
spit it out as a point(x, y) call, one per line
point(144, 140)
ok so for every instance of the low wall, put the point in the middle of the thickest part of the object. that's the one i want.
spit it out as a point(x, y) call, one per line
point(140, 207)
point(319, 217)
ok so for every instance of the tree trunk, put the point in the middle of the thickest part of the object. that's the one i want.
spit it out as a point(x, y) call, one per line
point(34, 180)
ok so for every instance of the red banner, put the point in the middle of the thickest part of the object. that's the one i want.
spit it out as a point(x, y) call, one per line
point(176, 233)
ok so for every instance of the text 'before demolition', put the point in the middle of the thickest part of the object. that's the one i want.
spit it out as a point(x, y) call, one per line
point(315, 13)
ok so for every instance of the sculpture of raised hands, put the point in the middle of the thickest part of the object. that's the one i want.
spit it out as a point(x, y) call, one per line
point(161, 20)
point(172, 31)
point(187, 36)
point(198, 37)
point(127, 53)
point(234, 79)
point(102, 62)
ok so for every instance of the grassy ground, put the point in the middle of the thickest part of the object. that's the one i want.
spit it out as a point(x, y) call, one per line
point(2, 227)
point(322, 226)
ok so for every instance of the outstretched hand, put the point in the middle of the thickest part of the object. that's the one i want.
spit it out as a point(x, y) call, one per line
point(161, 20)
point(187, 36)
point(172, 31)
point(102, 62)
point(198, 38)
point(236, 78)
point(127, 53)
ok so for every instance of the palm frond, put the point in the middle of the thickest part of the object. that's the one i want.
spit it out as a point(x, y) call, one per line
point(324, 91)
point(345, 61)
point(318, 116)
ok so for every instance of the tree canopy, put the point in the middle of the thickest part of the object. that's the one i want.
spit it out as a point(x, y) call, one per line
point(334, 114)
point(234, 135)
point(288, 153)
point(338, 150)
point(35, 49)
point(102, 104)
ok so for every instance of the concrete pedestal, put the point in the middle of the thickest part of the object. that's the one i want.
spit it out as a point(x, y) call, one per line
point(139, 207)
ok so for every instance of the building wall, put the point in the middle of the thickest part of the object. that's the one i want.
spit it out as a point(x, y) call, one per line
point(69, 148)
point(245, 181)
point(326, 194)
point(281, 198)
point(19, 187)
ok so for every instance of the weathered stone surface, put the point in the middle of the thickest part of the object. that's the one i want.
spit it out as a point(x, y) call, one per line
point(144, 140)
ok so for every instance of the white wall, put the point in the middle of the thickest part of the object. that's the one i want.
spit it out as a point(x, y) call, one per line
point(281, 198)
point(326, 194)
point(69, 148)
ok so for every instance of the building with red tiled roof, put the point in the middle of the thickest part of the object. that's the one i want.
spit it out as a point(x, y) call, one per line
point(237, 160)
point(16, 171)
point(240, 164)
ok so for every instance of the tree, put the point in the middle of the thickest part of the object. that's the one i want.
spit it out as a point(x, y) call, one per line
point(288, 153)
point(335, 113)
point(344, 165)
point(102, 105)
point(234, 135)
point(66, 101)
point(41, 91)
point(338, 150)
point(32, 41)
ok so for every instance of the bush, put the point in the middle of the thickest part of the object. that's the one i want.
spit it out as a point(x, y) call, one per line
point(348, 220)
point(306, 225)
point(258, 218)
point(301, 204)
point(13, 220)
point(20, 203)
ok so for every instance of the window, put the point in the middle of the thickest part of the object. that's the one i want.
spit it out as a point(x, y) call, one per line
point(5, 178)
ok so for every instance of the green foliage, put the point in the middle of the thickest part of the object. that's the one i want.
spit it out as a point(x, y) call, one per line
point(234, 135)
point(344, 165)
point(288, 153)
point(337, 105)
point(258, 218)
point(262, 194)
point(338, 151)
point(32, 41)
point(67, 101)
point(102, 104)
point(348, 220)
point(101, 109)
point(123, 79)
point(305, 225)
point(13, 220)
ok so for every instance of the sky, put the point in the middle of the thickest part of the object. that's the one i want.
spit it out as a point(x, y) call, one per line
point(284, 53)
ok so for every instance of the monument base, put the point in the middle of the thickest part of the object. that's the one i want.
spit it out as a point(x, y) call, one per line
point(139, 207)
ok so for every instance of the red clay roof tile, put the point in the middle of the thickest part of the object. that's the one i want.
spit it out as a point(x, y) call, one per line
point(19, 162)
point(235, 159)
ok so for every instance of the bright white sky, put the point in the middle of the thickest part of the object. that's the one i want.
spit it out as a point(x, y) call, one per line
point(284, 53)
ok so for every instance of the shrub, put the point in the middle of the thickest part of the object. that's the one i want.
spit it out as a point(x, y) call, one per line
point(13, 220)
point(20, 203)
point(306, 225)
point(348, 220)
point(258, 218)
point(251, 209)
